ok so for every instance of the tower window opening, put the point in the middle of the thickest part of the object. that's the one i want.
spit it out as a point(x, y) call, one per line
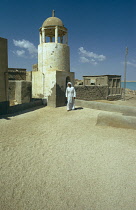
point(47, 39)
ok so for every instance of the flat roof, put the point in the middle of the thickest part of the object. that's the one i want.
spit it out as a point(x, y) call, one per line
point(3, 38)
point(16, 69)
point(102, 75)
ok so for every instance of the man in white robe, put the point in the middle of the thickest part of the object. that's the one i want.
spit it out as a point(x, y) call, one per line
point(70, 95)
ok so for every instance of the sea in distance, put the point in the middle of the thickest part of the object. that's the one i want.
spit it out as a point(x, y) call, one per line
point(129, 85)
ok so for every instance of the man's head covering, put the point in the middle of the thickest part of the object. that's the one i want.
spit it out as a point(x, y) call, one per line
point(69, 83)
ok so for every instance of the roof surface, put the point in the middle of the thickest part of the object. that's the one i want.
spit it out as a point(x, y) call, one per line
point(102, 75)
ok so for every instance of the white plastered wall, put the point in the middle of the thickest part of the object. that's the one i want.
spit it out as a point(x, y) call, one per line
point(53, 56)
point(37, 84)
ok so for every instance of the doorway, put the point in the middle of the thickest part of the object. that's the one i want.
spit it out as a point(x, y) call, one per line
point(67, 80)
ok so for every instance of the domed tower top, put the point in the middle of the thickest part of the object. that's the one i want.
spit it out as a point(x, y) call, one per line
point(53, 27)
point(52, 21)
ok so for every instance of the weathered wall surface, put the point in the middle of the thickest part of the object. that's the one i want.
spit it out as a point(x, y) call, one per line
point(102, 80)
point(3, 76)
point(11, 90)
point(55, 87)
point(50, 82)
point(53, 56)
point(37, 84)
point(35, 67)
point(16, 74)
point(26, 91)
point(29, 76)
point(51, 86)
point(114, 97)
point(90, 93)
point(20, 91)
point(3, 69)
point(49, 79)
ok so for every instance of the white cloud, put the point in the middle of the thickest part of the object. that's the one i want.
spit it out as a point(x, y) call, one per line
point(20, 53)
point(84, 60)
point(32, 50)
point(90, 57)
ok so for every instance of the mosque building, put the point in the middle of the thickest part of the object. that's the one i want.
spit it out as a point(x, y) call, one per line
point(50, 78)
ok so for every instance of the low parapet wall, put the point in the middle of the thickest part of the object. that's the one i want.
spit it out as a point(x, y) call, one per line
point(126, 110)
point(115, 115)
point(21, 107)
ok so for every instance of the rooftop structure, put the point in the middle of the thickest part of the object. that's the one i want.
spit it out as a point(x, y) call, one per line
point(113, 82)
point(50, 77)
point(16, 74)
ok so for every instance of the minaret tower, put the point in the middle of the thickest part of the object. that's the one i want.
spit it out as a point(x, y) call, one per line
point(49, 81)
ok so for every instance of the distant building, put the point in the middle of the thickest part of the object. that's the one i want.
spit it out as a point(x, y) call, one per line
point(112, 81)
point(16, 74)
point(20, 86)
point(3, 76)
point(19, 74)
point(101, 87)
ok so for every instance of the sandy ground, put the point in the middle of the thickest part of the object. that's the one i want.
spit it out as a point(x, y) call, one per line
point(57, 160)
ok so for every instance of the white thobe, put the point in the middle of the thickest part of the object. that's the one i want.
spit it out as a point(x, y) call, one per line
point(70, 94)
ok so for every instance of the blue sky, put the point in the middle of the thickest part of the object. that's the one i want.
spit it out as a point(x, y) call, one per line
point(99, 31)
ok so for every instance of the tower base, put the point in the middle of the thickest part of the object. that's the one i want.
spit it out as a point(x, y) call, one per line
point(51, 86)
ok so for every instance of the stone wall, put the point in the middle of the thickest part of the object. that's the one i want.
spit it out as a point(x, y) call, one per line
point(24, 106)
point(11, 90)
point(16, 74)
point(3, 76)
point(90, 93)
point(20, 91)
point(29, 76)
